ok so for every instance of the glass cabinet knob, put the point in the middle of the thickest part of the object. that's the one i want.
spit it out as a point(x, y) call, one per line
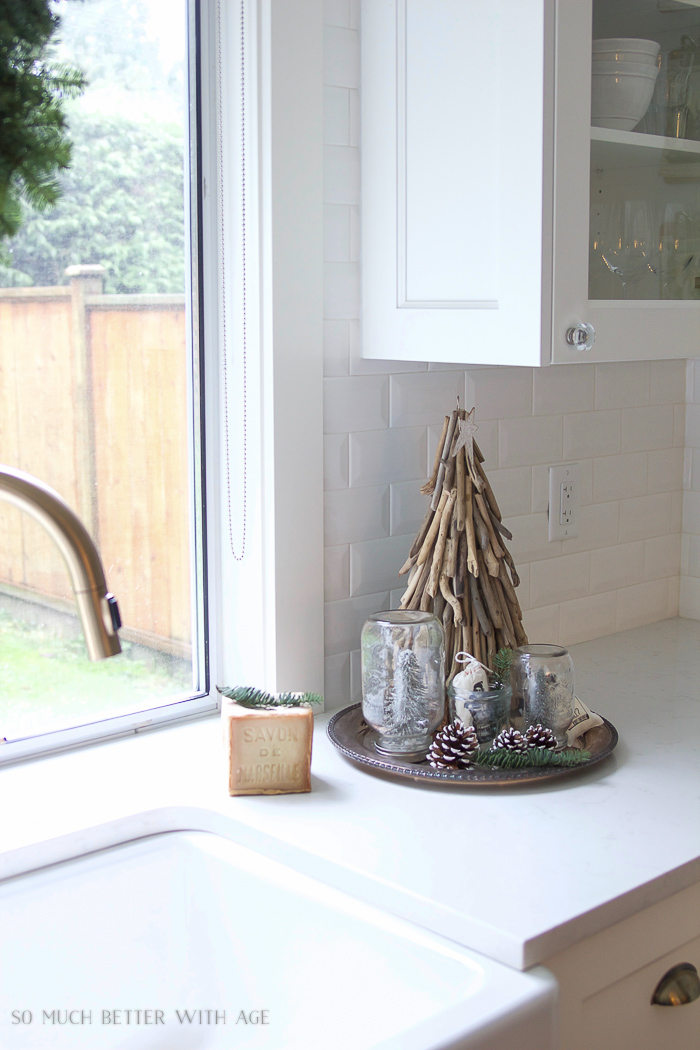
point(581, 337)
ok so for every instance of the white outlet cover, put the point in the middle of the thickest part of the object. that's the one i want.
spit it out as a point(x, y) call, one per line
point(564, 501)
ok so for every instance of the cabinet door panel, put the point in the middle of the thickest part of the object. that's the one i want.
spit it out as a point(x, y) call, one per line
point(622, 1018)
point(452, 177)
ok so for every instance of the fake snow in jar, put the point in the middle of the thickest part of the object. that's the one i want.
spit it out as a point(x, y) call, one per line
point(543, 677)
point(403, 680)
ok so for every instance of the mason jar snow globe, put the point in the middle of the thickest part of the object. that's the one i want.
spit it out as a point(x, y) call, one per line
point(543, 681)
point(403, 680)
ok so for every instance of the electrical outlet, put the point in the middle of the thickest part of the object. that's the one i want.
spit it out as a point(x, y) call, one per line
point(564, 501)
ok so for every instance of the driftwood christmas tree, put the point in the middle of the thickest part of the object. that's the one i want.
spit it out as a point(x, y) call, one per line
point(459, 566)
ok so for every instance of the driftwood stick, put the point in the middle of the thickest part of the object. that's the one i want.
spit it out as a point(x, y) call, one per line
point(422, 532)
point(513, 571)
point(429, 487)
point(490, 599)
point(461, 571)
point(432, 531)
point(492, 501)
point(478, 454)
point(508, 587)
point(408, 564)
point(449, 597)
point(472, 562)
point(476, 641)
point(447, 447)
point(421, 580)
point(413, 580)
point(505, 611)
point(426, 601)
point(451, 468)
point(445, 522)
point(486, 518)
point(478, 607)
point(499, 526)
point(451, 548)
point(461, 504)
point(439, 604)
point(490, 649)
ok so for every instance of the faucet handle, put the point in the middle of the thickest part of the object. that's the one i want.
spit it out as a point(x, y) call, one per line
point(114, 611)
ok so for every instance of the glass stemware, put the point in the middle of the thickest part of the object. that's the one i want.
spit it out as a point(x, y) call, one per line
point(677, 249)
point(627, 243)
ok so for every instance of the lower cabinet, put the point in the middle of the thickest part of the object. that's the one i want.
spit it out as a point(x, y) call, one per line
point(607, 981)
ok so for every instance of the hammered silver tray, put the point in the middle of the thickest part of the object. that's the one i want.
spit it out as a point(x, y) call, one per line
point(355, 739)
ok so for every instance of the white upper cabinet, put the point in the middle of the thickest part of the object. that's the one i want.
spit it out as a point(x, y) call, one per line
point(498, 225)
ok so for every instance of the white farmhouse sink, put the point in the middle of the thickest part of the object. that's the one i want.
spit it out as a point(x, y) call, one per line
point(189, 921)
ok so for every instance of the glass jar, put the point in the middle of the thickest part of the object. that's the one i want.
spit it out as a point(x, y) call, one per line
point(488, 710)
point(403, 680)
point(543, 680)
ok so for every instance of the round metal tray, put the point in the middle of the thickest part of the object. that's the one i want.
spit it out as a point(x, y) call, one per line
point(355, 739)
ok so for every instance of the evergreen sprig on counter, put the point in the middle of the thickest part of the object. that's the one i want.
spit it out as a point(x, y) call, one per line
point(247, 696)
point(535, 756)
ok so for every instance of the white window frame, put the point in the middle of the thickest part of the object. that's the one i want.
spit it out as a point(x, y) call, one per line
point(263, 614)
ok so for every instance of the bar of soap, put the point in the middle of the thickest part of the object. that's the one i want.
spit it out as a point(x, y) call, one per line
point(269, 752)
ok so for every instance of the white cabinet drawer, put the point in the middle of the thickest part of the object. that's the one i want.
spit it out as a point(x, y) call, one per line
point(621, 1017)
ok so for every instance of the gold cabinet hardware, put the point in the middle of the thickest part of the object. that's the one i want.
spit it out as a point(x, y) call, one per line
point(680, 985)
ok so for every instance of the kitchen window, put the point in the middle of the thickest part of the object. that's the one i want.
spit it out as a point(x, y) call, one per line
point(163, 371)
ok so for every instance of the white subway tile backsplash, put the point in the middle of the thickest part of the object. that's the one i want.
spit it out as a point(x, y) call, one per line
point(674, 590)
point(524, 442)
point(692, 425)
point(642, 604)
point(679, 425)
point(408, 507)
point(591, 434)
point(341, 52)
point(423, 398)
point(667, 382)
point(336, 348)
point(341, 290)
point(344, 620)
point(375, 565)
point(599, 524)
point(356, 675)
point(618, 566)
point(644, 517)
point(689, 598)
point(352, 515)
point(337, 13)
point(662, 556)
point(685, 555)
point(647, 428)
point(676, 511)
point(693, 566)
point(559, 579)
point(341, 175)
point(336, 461)
point(336, 686)
point(336, 232)
point(691, 513)
point(622, 385)
point(355, 403)
point(542, 625)
point(584, 618)
point(380, 457)
point(523, 589)
point(354, 118)
point(619, 477)
point(354, 233)
point(562, 388)
point(512, 489)
point(497, 393)
point(665, 470)
point(540, 489)
point(531, 538)
point(336, 572)
point(336, 116)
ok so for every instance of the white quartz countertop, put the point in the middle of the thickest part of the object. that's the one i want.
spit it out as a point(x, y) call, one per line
point(517, 873)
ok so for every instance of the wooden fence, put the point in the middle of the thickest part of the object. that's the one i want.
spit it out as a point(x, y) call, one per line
point(93, 401)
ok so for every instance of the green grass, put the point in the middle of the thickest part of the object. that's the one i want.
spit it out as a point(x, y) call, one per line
point(47, 681)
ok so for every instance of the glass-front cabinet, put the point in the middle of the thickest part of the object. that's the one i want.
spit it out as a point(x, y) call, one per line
point(636, 282)
point(531, 180)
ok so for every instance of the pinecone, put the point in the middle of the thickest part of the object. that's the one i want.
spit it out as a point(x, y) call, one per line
point(453, 747)
point(510, 740)
point(539, 736)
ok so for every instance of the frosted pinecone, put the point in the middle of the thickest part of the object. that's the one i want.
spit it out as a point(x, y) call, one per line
point(540, 736)
point(453, 747)
point(510, 740)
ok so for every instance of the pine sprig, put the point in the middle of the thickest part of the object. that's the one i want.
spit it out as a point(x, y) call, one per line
point(502, 663)
point(536, 756)
point(247, 696)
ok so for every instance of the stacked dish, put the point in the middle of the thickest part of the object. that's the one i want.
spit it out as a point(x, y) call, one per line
point(624, 73)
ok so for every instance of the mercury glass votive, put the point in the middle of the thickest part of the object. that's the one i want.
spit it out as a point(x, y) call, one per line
point(403, 680)
point(543, 682)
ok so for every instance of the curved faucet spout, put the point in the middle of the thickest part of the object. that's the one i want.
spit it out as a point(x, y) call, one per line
point(98, 609)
